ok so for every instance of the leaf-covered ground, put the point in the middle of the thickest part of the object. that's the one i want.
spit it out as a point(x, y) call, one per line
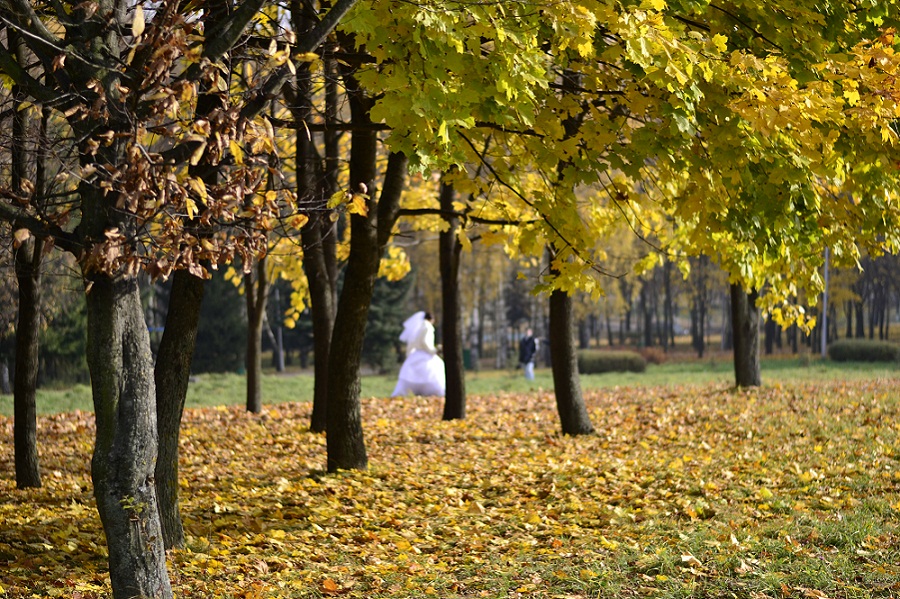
point(787, 491)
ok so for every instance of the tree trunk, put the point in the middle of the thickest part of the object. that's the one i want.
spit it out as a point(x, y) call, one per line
point(5, 386)
point(745, 327)
point(566, 384)
point(451, 331)
point(668, 307)
point(609, 333)
point(28, 275)
point(122, 469)
point(319, 234)
point(171, 375)
point(584, 335)
point(860, 320)
point(771, 327)
point(848, 306)
point(369, 236)
point(256, 294)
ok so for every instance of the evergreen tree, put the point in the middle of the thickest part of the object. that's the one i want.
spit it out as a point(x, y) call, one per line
point(386, 316)
point(222, 332)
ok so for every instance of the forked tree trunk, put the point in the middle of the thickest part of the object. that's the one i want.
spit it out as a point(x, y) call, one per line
point(171, 375)
point(745, 328)
point(451, 331)
point(122, 469)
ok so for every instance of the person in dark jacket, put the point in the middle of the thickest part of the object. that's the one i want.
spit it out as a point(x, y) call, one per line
point(527, 350)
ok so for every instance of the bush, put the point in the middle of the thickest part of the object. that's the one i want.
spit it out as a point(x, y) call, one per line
point(653, 355)
point(864, 350)
point(596, 362)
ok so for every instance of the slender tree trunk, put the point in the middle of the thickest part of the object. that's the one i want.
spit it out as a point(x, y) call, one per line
point(566, 384)
point(28, 276)
point(171, 376)
point(451, 331)
point(584, 335)
point(860, 320)
point(5, 386)
point(848, 307)
point(770, 329)
point(745, 326)
point(256, 295)
point(609, 333)
point(318, 234)
point(120, 362)
point(370, 234)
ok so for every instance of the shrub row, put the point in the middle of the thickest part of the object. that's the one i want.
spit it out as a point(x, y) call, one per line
point(864, 350)
point(595, 362)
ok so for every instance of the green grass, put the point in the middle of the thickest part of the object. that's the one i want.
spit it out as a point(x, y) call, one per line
point(229, 389)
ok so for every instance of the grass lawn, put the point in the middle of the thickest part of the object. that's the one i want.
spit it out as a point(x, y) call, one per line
point(229, 389)
point(687, 490)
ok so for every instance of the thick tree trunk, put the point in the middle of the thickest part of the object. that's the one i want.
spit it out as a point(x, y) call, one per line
point(171, 375)
point(118, 355)
point(256, 294)
point(28, 275)
point(745, 327)
point(566, 384)
point(451, 331)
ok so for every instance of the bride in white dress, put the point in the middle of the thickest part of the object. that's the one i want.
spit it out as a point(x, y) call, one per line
point(422, 372)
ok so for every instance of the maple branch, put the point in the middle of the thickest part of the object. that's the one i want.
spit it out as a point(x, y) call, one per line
point(746, 25)
point(531, 205)
point(307, 43)
point(30, 25)
point(223, 35)
point(22, 220)
point(465, 215)
point(692, 23)
point(17, 73)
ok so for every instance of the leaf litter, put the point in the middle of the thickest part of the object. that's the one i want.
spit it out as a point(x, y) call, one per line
point(784, 491)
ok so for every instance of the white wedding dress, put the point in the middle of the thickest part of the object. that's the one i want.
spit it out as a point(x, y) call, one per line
point(422, 372)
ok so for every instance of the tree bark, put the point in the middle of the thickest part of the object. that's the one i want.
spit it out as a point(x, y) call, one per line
point(450, 250)
point(745, 328)
point(122, 469)
point(566, 384)
point(771, 328)
point(171, 375)
point(28, 276)
point(256, 294)
point(5, 387)
point(318, 234)
point(369, 235)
